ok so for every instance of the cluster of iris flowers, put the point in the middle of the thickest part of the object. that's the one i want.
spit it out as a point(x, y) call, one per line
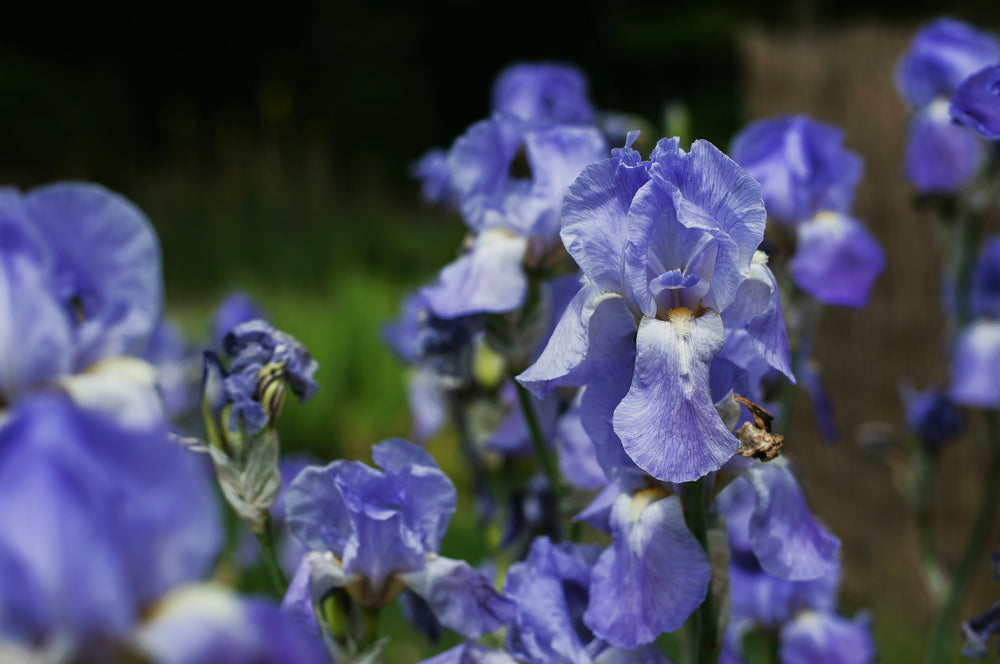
point(610, 347)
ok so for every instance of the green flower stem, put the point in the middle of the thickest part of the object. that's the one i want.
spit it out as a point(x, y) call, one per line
point(538, 441)
point(946, 624)
point(935, 577)
point(265, 538)
point(705, 645)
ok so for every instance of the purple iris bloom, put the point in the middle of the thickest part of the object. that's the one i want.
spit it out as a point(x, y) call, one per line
point(668, 250)
point(101, 521)
point(514, 216)
point(979, 630)
point(79, 281)
point(941, 155)
point(807, 180)
point(976, 103)
point(375, 531)
point(941, 56)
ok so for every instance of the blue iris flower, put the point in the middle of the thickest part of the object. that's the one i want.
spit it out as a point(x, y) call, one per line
point(668, 251)
point(373, 532)
point(80, 282)
point(941, 155)
point(976, 103)
point(974, 379)
point(807, 180)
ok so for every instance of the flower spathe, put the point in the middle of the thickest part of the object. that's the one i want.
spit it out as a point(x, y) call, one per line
point(666, 247)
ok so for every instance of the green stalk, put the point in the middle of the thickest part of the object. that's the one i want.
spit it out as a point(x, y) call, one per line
point(538, 441)
point(705, 645)
point(935, 576)
point(265, 538)
point(946, 624)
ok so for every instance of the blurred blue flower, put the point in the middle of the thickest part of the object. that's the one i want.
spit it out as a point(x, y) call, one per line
point(942, 55)
point(118, 517)
point(932, 417)
point(940, 155)
point(543, 94)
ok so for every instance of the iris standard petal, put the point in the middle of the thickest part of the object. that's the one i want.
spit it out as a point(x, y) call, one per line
point(836, 260)
point(460, 596)
point(107, 260)
point(471, 652)
point(316, 511)
point(651, 578)
point(594, 214)
point(717, 195)
point(543, 93)
point(668, 423)
point(489, 278)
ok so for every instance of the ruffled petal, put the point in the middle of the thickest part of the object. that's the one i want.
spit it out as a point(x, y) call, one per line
point(651, 578)
point(668, 423)
point(471, 652)
point(108, 259)
point(757, 309)
point(460, 596)
point(594, 215)
point(836, 260)
point(489, 278)
point(786, 539)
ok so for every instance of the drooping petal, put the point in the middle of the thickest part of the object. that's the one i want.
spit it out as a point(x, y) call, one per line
point(974, 378)
point(825, 638)
point(651, 578)
point(976, 103)
point(757, 309)
point(460, 596)
point(577, 456)
point(550, 591)
point(836, 260)
point(786, 539)
point(107, 260)
point(668, 423)
point(941, 156)
point(563, 361)
point(594, 214)
point(489, 278)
